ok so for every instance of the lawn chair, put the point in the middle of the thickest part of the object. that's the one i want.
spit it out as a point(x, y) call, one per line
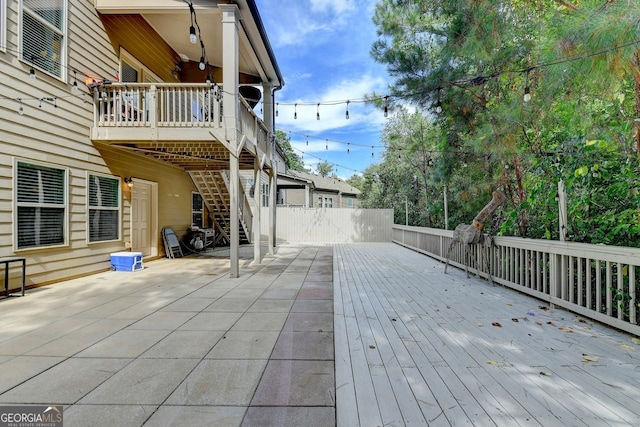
point(171, 243)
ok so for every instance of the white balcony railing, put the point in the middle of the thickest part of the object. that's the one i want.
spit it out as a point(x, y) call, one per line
point(596, 281)
point(170, 105)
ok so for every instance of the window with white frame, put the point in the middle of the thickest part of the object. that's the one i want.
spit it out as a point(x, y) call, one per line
point(43, 35)
point(320, 201)
point(197, 210)
point(265, 195)
point(3, 25)
point(328, 202)
point(104, 208)
point(41, 205)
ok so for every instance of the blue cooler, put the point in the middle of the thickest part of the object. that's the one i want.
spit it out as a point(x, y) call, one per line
point(126, 261)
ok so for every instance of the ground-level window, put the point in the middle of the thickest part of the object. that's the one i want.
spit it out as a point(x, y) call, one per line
point(320, 201)
point(41, 205)
point(197, 210)
point(104, 208)
point(265, 195)
point(350, 203)
point(328, 202)
point(44, 35)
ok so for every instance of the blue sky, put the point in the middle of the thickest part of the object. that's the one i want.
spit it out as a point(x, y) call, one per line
point(322, 48)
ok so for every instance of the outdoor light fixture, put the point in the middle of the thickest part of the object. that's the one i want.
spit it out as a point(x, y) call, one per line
point(527, 94)
point(32, 74)
point(438, 107)
point(192, 35)
point(75, 88)
point(128, 181)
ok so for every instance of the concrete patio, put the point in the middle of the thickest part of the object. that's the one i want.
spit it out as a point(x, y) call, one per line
point(181, 343)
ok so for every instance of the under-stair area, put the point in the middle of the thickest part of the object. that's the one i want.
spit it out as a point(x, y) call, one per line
point(213, 186)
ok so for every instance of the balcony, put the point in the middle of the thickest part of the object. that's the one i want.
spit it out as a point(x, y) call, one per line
point(180, 123)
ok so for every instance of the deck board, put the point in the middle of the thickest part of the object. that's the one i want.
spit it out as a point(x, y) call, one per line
point(423, 350)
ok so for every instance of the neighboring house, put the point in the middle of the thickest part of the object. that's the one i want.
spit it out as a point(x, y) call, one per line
point(309, 190)
point(115, 124)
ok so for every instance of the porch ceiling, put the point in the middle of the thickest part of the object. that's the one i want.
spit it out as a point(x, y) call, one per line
point(190, 156)
point(172, 19)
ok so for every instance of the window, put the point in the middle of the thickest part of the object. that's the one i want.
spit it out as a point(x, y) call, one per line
point(3, 25)
point(197, 209)
point(328, 202)
point(320, 201)
point(43, 35)
point(265, 195)
point(104, 208)
point(41, 205)
point(350, 203)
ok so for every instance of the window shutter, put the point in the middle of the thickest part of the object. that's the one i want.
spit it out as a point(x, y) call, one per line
point(104, 208)
point(41, 205)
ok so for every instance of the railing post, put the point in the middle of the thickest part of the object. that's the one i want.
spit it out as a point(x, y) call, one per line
point(153, 110)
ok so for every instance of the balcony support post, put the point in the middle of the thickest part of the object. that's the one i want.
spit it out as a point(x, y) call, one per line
point(230, 82)
point(257, 234)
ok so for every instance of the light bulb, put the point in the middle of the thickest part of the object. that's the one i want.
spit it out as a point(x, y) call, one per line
point(32, 74)
point(438, 107)
point(527, 94)
point(202, 65)
point(75, 88)
point(192, 35)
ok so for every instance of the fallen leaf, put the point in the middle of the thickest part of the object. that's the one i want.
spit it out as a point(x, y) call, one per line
point(586, 328)
point(542, 307)
point(568, 330)
point(587, 359)
point(539, 323)
point(372, 347)
point(448, 306)
point(531, 313)
point(478, 324)
point(497, 324)
point(492, 362)
point(509, 304)
point(582, 321)
point(627, 347)
point(546, 374)
point(635, 340)
point(515, 319)
point(393, 320)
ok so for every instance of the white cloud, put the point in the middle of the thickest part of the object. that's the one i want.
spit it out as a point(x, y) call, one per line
point(333, 108)
point(337, 6)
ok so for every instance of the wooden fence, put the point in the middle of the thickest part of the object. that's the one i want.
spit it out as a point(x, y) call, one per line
point(596, 281)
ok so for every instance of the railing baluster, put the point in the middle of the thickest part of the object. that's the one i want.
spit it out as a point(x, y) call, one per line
point(572, 284)
point(620, 303)
point(588, 285)
point(609, 293)
point(580, 287)
point(598, 287)
point(632, 295)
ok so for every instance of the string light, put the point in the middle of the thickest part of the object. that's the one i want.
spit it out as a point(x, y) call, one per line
point(20, 109)
point(277, 109)
point(386, 106)
point(307, 140)
point(348, 148)
point(295, 111)
point(193, 39)
point(75, 88)
point(326, 147)
point(346, 114)
point(318, 112)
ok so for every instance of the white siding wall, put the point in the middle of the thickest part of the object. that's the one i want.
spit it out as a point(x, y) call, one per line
point(59, 136)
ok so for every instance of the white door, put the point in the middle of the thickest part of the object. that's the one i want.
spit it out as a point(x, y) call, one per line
point(141, 218)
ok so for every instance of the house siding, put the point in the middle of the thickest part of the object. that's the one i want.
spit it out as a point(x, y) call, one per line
point(59, 136)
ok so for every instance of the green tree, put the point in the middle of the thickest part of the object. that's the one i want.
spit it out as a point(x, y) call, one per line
point(324, 168)
point(292, 159)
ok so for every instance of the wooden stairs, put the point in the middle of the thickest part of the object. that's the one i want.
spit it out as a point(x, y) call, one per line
point(213, 186)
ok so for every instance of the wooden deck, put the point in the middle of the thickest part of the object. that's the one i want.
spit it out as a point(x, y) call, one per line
point(417, 347)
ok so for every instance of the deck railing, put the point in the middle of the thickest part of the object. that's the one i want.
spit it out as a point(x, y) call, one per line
point(596, 281)
point(163, 105)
